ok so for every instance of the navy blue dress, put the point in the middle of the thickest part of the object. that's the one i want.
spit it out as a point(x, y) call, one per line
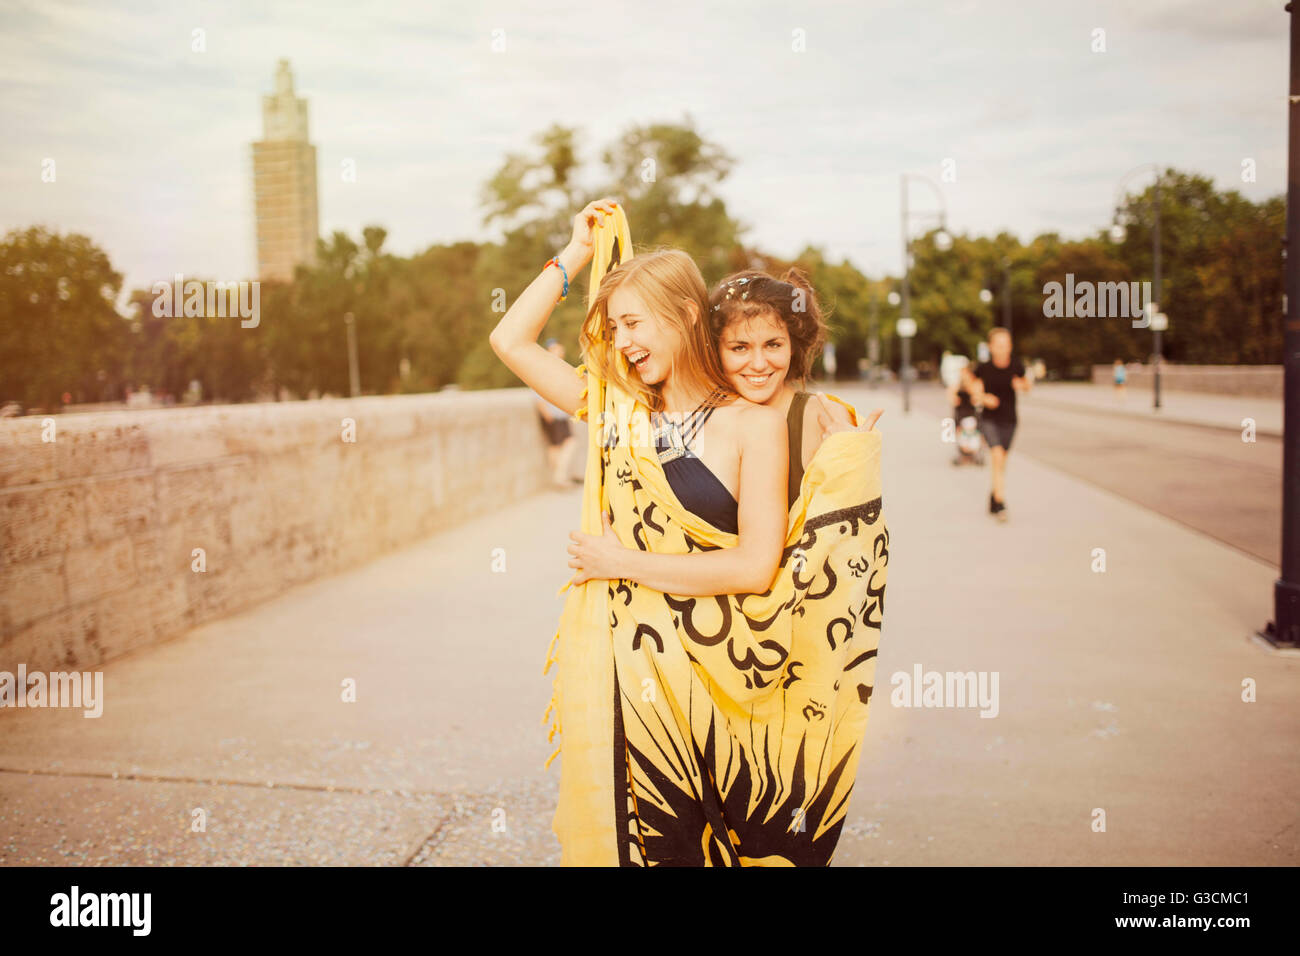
point(696, 487)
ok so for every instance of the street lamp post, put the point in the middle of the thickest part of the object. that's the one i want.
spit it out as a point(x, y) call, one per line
point(1006, 293)
point(1284, 629)
point(906, 329)
point(986, 294)
point(1117, 233)
point(354, 376)
point(942, 241)
point(894, 300)
point(873, 345)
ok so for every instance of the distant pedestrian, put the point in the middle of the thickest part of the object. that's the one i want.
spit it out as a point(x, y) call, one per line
point(1121, 376)
point(996, 383)
point(558, 429)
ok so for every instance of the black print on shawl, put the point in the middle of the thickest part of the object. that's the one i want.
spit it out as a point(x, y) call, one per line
point(867, 513)
point(649, 522)
point(753, 669)
point(643, 519)
point(625, 826)
point(693, 545)
point(761, 624)
point(716, 828)
point(608, 439)
point(873, 606)
point(831, 579)
point(686, 607)
point(814, 710)
point(752, 666)
point(861, 658)
point(841, 625)
point(645, 630)
point(638, 529)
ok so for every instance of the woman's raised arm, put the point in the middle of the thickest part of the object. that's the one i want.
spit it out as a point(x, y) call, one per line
point(514, 340)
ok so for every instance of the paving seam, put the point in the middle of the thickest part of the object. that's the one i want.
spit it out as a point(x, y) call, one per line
point(432, 840)
point(212, 782)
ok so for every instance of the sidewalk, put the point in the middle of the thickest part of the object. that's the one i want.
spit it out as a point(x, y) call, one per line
point(244, 719)
point(1119, 691)
point(1191, 408)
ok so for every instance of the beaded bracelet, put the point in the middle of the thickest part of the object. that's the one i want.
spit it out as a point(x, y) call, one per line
point(563, 271)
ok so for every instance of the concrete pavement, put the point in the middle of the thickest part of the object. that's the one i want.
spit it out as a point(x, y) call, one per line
point(1207, 478)
point(1119, 691)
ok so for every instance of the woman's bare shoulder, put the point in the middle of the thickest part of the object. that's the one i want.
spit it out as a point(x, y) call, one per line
point(760, 425)
point(745, 410)
point(743, 415)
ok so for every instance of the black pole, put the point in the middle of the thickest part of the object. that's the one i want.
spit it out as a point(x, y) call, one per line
point(1156, 269)
point(907, 300)
point(1284, 629)
point(1006, 294)
point(873, 347)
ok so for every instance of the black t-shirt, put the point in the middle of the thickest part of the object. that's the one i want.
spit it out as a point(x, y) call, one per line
point(997, 382)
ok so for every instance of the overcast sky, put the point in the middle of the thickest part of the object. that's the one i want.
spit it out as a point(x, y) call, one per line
point(152, 140)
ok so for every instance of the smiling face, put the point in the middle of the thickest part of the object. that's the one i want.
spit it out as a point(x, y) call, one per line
point(648, 344)
point(755, 354)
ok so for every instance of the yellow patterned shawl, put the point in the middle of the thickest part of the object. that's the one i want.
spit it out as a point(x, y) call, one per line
point(719, 730)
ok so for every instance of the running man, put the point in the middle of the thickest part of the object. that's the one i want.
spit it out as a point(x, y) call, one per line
point(995, 386)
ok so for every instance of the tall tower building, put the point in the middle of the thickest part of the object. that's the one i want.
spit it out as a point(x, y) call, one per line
point(284, 183)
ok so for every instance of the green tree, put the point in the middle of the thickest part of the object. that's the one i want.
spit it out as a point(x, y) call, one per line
point(1222, 268)
point(60, 331)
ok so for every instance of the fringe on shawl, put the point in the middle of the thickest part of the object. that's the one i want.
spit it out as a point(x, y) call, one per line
point(553, 706)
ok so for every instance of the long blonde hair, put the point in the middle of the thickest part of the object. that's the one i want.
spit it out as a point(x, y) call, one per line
point(668, 283)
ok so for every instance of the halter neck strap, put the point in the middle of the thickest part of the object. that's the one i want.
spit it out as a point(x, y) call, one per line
point(694, 420)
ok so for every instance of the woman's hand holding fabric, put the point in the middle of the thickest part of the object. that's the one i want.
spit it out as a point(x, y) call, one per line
point(597, 556)
point(582, 245)
point(829, 425)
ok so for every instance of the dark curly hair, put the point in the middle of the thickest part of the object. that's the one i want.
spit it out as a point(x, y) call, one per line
point(744, 295)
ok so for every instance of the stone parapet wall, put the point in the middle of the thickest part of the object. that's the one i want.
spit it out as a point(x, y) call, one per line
point(99, 527)
point(1252, 381)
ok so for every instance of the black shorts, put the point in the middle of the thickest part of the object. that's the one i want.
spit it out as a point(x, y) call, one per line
point(997, 432)
point(557, 431)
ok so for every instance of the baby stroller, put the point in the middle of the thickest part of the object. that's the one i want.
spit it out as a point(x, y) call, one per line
point(970, 443)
